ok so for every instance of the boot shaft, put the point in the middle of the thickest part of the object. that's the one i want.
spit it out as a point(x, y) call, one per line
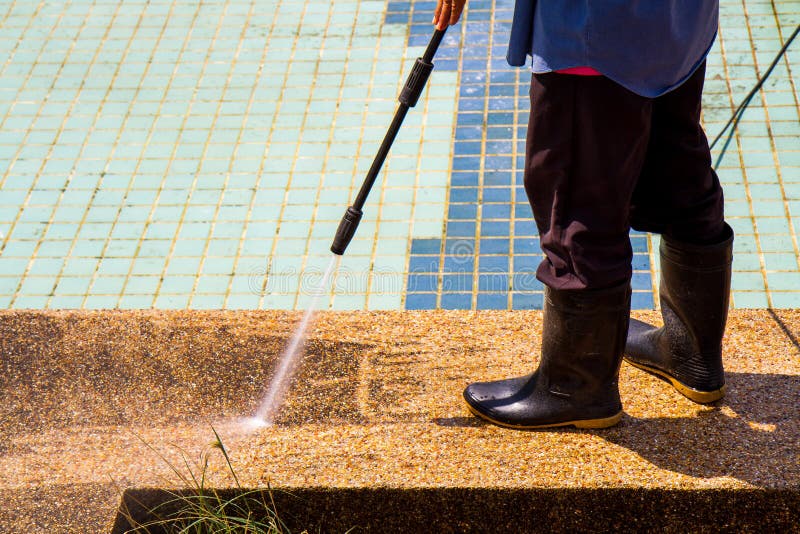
point(695, 293)
point(582, 341)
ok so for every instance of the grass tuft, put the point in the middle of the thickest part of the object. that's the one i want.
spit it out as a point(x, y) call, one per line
point(197, 509)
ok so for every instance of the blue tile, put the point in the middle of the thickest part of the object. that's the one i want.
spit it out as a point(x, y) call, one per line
point(426, 246)
point(459, 264)
point(639, 244)
point(495, 228)
point(522, 210)
point(495, 264)
point(456, 301)
point(463, 211)
point(502, 90)
point(469, 132)
point(527, 301)
point(470, 104)
point(526, 281)
point(460, 247)
point(493, 282)
point(499, 132)
point(466, 163)
point(465, 119)
point(642, 301)
point(422, 283)
point(641, 262)
point(423, 264)
point(465, 178)
point(461, 229)
point(526, 263)
point(495, 246)
point(496, 211)
point(498, 163)
point(457, 283)
point(462, 148)
point(527, 245)
point(396, 18)
point(492, 301)
point(497, 194)
point(642, 281)
point(525, 228)
point(463, 194)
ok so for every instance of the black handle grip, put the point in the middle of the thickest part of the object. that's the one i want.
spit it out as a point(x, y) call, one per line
point(415, 83)
point(346, 230)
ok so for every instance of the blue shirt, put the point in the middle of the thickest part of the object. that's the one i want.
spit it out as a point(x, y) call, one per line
point(648, 46)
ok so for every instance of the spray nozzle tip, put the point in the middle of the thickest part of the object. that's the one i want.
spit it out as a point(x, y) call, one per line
point(346, 230)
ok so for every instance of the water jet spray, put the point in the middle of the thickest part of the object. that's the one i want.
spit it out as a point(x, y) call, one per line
point(288, 362)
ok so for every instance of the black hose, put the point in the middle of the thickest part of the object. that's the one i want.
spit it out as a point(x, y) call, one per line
point(733, 122)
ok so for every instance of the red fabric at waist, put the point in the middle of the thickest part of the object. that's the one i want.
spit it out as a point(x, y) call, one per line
point(580, 71)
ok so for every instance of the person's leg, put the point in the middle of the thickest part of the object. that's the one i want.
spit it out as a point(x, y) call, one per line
point(586, 145)
point(679, 196)
point(587, 139)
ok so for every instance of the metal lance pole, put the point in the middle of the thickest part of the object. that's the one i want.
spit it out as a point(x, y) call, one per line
point(408, 99)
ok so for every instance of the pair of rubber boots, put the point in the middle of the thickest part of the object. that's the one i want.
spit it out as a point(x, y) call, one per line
point(586, 333)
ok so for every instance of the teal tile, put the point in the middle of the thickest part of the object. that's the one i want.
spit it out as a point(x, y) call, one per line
point(785, 299)
point(747, 281)
point(773, 225)
point(64, 302)
point(8, 285)
point(391, 301)
point(242, 301)
point(37, 285)
point(30, 302)
point(100, 302)
point(72, 285)
point(207, 302)
point(172, 302)
point(44, 267)
point(786, 281)
point(129, 301)
point(142, 285)
point(107, 285)
point(750, 299)
point(218, 265)
point(207, 284)
point(776, 243)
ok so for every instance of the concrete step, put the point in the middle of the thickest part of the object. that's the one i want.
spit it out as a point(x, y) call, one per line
point(375, 433)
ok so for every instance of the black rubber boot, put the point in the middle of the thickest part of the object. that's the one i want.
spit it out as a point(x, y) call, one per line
point(695, 292)
point(576, 382)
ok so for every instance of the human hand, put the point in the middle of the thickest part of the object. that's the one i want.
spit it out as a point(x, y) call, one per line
point(447, 13)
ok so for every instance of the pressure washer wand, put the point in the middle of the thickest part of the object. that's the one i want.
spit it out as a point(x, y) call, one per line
point(408, 99)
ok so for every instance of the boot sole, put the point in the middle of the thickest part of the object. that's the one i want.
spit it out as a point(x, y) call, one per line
point(604, 422)
point(695, 395)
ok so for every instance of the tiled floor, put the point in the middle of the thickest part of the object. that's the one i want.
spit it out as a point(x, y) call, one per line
point(178, 154)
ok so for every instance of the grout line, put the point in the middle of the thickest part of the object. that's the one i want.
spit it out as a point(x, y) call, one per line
point(193, 186)
point(132, 180)
point(262, 161)
point(745, 182)
point(71, 175)
point(309, 100)
point(278, 107)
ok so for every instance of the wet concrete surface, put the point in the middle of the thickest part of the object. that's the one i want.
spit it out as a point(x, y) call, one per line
point(99, 402)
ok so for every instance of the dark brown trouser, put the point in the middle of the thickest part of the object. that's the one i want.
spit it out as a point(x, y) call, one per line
point(600, 160)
